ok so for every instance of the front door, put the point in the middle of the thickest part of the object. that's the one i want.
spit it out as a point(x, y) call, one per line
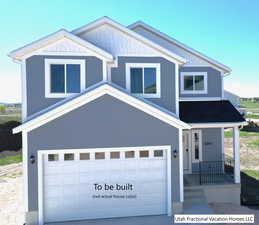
point(186, 152)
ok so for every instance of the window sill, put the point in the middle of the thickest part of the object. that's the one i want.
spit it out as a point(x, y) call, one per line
point(57, 95)
point(147, 95)
point(194, 92)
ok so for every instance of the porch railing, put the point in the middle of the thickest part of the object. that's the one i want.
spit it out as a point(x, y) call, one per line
point(213, 172)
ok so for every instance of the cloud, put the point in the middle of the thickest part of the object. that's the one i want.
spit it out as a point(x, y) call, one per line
point(242, 89)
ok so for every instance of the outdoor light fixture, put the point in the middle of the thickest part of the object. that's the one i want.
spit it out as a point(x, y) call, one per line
point(32, 159)
point(175, 153)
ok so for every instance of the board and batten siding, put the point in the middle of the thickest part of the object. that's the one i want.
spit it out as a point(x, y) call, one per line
point(167, 71)
point(35, 79)
point(211, 146)
point(103, 123)
point(214, 81)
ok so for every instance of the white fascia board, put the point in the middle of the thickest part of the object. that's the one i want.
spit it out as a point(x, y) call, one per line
point(221, 66)
point(92, 95)
point(21, 53)
point(215, 125)
point(106, 20)
point(198, 99)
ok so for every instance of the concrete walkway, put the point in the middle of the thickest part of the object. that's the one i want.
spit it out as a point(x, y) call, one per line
point(140, 220)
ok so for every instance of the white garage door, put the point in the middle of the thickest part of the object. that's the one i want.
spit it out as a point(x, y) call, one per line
point(104, 183)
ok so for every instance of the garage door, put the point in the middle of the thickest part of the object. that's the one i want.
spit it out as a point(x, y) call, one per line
point(104, 183)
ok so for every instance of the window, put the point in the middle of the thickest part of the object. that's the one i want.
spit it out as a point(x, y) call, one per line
point(52, 157)
point(158, 153)
point(115, 155)
point(99, 155)
point(129, 154)
point(64, 77)
point(69, 157)
point(196, 146)
point(143, 79)
point(143, 154)
point(84, 156)
point(194, 82)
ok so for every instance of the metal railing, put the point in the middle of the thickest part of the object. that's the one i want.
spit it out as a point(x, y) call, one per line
point(214, 172)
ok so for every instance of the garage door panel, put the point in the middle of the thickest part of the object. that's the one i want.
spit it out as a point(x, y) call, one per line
point(69, 192)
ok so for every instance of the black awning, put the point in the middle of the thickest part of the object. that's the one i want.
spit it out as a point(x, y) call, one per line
point(209, 112)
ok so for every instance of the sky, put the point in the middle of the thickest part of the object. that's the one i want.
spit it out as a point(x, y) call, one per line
point(225, 30)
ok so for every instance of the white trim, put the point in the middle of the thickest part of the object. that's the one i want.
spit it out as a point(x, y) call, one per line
point(40, 189)
point(211, 125)
point(23, 52)
point(188, 132)
point(204, 74)
point(236, 148)
point(97, 92)
point(25, 169)
point(105, 73)
point(180, 150)
point(24, 90)
point(190, 99)
point(48, 62)
point(222, 86)
point(181, 45)
point(199, 132)
point(177, 77)
point(41, 153)
point(105, 20)
point(128, 66)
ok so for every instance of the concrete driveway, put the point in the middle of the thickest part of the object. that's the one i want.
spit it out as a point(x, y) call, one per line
point(140, 220)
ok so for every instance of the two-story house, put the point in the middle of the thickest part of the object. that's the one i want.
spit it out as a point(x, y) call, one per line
point(122, 121)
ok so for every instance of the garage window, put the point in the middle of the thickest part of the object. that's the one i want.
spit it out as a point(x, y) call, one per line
point(69, 157)
point(143, 154)
point(52, 157)
point(158, 153)
point(129, 154)
point(84, 156)
point(99, 155)
point(115, 155)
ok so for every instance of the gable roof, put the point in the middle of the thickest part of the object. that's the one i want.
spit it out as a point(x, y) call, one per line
point(20, 53)
point(107, 20)
point(92, 93)
point(219, 65)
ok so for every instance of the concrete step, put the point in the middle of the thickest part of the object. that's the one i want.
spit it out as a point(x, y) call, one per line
point(193, 192)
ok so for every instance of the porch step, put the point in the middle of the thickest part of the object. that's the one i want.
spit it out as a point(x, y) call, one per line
point(194, 196)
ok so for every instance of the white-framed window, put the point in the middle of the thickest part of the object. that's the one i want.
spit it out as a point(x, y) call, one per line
point(196, 145)
point(143, 79)
point(194, 83)
point(64, 77)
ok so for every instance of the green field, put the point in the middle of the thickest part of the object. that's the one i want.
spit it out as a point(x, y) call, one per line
point(249, 104)
point(10, 159)
point(252, 116)
point(11, 117)
point(242, 134)
point(252, 173)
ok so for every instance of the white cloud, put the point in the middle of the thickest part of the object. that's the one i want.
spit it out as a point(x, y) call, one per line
point(10, 88)
point(242, 89)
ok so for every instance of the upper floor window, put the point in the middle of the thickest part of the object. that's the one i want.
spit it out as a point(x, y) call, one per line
point(193, 82)
point(143, 79)
point(64, 77)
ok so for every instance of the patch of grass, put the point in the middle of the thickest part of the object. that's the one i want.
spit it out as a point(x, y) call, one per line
point(242, 134)
point(10, 160)
point(252, 116)
point(4, 119)
point(254, 143)
point(252, 173)
point(250, 104)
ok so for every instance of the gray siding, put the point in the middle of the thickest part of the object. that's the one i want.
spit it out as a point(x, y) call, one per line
point(35, 80)
point(211, 146)
point(105, 122)
point(167, 99)
point(214, 81)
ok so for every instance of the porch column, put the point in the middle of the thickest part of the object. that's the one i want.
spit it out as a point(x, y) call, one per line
point(236, 151)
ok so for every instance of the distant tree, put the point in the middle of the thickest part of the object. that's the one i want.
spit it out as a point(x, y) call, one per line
point(2, 109)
